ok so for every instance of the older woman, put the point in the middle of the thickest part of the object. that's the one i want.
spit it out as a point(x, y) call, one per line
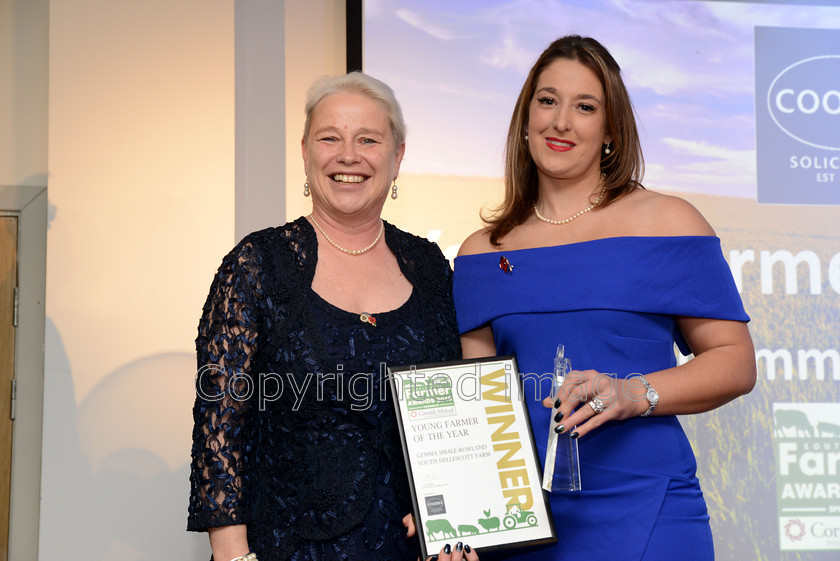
point(295, 450)
point(581, 254)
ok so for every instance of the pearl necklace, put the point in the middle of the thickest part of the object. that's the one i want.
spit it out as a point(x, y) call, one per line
point(345, 250)
point(575, 215)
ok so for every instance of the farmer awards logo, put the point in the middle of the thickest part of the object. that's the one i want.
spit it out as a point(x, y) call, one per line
point(429, 399)
point(797, 96)
point(806, 439)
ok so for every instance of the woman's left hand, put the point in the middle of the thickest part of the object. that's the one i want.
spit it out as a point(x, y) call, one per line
point(408, 522)
point(605, 398)
point(723, 368)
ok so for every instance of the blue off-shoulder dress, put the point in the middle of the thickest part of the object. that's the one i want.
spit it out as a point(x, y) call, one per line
point(614, 304)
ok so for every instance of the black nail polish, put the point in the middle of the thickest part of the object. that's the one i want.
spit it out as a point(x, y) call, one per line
point(558, 417)
point(432, 558)
point(559, 428)
point(467, 548)
point(557, 403)
point(574, 435)
point(447, 549)
point(459, 546)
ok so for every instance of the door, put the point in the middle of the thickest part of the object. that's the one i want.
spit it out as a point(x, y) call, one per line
point(8, 283)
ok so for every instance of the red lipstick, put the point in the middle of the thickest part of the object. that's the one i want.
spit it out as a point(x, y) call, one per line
point(559, 144)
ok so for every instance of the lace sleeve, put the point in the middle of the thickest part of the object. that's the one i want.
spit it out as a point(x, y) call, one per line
point(225, 347)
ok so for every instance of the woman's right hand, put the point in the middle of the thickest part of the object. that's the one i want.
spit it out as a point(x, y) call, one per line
point(458, 553)
point(229, 542)
point(447, 552)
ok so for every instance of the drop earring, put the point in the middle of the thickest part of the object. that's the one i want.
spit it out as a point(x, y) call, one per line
point(306, 189)
point(526, 136)
point(607, 149)
point(394, 190)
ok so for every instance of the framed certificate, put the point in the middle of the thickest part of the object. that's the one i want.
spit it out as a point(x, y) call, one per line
point(470, 455)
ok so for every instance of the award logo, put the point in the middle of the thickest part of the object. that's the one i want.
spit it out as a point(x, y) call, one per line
point(797, 99)
point(429, 398)
point(435, 505)
point(806, 438)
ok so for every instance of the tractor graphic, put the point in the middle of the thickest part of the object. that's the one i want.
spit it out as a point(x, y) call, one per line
point(516, 516)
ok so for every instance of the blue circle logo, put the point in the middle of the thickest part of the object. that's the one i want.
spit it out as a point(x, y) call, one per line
point(804, 101)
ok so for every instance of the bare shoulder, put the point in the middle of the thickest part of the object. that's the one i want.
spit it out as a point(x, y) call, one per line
point(477, 242)
point(666, 215)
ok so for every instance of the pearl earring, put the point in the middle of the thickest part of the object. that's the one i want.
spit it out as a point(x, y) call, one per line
point(306, 189)
point(607, 149)
point(394, 190)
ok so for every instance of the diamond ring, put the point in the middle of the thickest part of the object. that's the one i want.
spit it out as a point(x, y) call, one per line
point(596, 404)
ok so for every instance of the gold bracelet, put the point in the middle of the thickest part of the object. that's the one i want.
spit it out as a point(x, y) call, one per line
point(248, 557)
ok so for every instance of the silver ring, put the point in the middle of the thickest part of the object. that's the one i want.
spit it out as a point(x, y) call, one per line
point(596, 404)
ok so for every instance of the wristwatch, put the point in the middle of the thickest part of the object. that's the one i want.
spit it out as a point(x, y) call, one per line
point(651, 395)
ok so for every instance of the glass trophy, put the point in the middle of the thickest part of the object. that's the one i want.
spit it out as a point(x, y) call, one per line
point(562, 465)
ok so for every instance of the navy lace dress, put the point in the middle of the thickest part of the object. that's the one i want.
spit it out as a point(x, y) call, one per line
point(397, 338)
point(295, 434)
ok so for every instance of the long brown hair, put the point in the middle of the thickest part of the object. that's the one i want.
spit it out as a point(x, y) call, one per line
point(623, 167)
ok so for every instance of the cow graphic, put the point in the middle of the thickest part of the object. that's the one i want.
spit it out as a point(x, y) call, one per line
point(440, 526)
point(785, 419)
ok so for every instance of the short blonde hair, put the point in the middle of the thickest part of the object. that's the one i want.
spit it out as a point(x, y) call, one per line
point(359, 83)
